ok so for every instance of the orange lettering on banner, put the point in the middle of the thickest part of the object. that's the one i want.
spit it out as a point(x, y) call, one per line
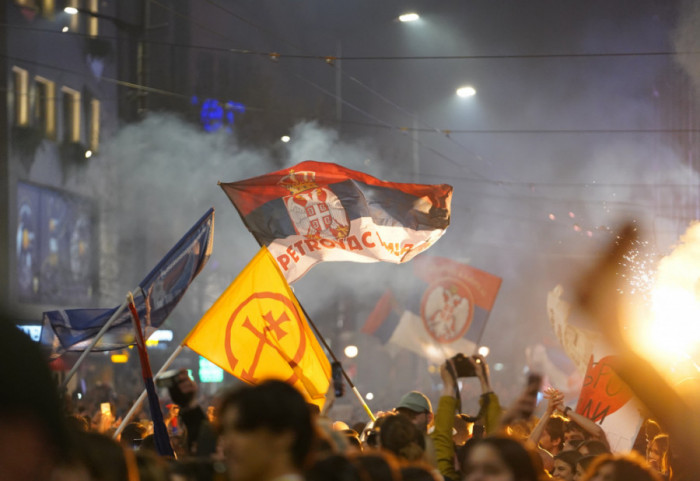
point(292, 254)
point(603, 392)
point(283, 261)
point(394, 248)
point(295, 252)
point(354, 244)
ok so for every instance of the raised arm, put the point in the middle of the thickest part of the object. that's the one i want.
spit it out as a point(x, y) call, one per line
point(554, 397)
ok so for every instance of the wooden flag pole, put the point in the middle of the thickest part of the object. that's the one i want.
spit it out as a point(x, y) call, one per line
point(345, 374)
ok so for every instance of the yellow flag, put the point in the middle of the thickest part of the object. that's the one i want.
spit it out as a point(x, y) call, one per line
point(256, 330)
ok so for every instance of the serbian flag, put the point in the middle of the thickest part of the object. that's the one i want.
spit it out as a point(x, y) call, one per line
point(318, 211)
point(441, 313)
point(158, 294)
point(256, 330)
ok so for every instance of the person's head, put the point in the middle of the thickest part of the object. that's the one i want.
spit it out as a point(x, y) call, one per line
point(552, 438)
point(151, 467)
point(402, 438)
point(416, 407)
point(370, 435)
point(333, 468)
point(498, 458)
point(582, 465)
point(376, 466)
point(353, 439)
point(265, 430)
point(182, 389)
point(193, 469)
point(574, 435)
point(620, 467)
point(565, 465)
point(103, 458)
point(658, 455)
point(33, 434)
point(77, 422)
point(592, 447)
point(132, 435)
point(463, 425)
point(418, 472)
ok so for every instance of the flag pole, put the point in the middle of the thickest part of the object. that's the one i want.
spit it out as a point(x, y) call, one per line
point(345, 374)
point(140, 399)
point(94, 341)
point(160, 431)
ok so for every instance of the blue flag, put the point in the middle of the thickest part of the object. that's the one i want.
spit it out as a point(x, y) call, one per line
point(158, 294)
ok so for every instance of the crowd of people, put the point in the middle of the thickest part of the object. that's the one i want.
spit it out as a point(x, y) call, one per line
point(268, 432)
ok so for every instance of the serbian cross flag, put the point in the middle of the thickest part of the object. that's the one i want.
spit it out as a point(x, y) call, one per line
point(441, 312)
point(318, 211)
point(256, 330)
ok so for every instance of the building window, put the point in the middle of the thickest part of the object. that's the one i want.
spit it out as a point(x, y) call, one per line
point(94, 125)
point(71, 115)
point(93, 6)
point(26, 3)
point(74, 19)
point(45, 106)
point(48, 8)
point(20, 79)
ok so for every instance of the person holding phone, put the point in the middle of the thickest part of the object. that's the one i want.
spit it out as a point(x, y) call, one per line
point(452, 369)
point(200, 435)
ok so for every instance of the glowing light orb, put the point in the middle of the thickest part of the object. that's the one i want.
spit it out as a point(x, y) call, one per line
point(466, 91)
point(351, 351)
point(409, 17)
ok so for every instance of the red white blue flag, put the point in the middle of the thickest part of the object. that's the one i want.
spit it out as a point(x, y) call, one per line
point(441, 312)
point(318, 211)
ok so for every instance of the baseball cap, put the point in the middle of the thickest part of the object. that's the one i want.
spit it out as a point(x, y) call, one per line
point(415, 401)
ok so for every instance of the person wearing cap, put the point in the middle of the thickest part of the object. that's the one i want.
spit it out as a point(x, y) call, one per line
point(416, 406)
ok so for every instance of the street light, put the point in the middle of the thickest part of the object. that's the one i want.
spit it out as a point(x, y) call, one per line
point(409, 17)
point(466, 91)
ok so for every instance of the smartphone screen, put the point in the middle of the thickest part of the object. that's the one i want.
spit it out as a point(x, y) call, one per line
point(105, 408)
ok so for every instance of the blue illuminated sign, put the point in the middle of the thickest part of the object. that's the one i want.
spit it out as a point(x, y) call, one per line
point(215, 115)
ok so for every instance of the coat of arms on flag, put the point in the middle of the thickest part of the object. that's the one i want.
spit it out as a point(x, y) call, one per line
point(316, 211)
point(319, 211)
point(441, 313)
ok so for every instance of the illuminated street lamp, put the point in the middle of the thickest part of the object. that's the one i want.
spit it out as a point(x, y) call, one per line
point(351, 351)
point(409, 17)
point(466, 91)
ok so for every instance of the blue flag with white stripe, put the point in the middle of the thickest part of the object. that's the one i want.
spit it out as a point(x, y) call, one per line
point(158, 294)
